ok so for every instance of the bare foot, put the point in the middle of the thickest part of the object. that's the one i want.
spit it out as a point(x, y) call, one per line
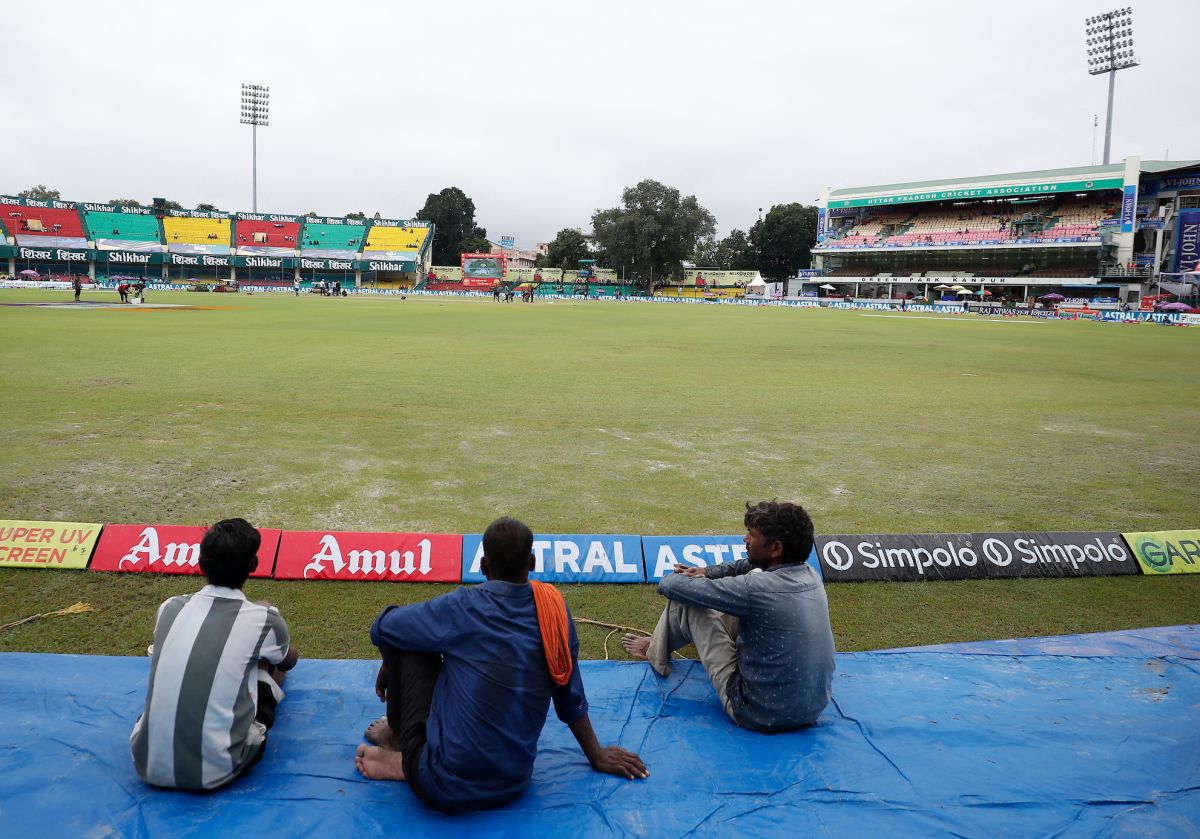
point(381, 734)
point(635, 646)
point(379, 764)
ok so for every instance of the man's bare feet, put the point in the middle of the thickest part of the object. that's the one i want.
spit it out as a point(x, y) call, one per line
point(381, 734)
point(379, 764)
point(635, 646)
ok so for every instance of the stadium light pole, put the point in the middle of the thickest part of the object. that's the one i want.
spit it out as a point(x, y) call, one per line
point(255, 112)
point(1110, 48)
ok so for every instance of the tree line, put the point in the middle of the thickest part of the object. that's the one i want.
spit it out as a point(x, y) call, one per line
point(646, 238)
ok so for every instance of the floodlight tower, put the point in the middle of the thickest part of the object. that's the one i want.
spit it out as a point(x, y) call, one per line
point(256, 108)
point(1110, 48)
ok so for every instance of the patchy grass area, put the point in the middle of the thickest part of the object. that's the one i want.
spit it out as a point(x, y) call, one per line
point(330, 619)
point(439, 414)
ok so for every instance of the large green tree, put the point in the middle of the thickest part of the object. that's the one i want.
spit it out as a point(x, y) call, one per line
point(124, 202)
point(566, 250)
point(457, 233)
point(41, 192)
point(652, 232)
point(733, 253)
point(784, 239)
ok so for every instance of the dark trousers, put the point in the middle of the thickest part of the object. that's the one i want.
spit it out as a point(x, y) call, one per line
point(411, 680)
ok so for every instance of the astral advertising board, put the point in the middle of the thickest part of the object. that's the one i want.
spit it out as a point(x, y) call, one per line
point(972, 556)
point(570, 558)
point(662, 552)
point(46, 544)
point(1166, 551)
point(394, 557)
point(166, 549)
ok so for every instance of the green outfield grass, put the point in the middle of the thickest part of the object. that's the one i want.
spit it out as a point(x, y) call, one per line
point(439, 414)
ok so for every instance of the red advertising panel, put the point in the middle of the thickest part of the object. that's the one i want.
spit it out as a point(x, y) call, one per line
point(399, 557)
point(166, 549)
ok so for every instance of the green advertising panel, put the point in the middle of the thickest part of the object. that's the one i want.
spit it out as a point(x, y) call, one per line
point(1166, 551)
point(997, 191)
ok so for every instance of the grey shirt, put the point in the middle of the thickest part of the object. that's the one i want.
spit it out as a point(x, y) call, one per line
point(785, 654)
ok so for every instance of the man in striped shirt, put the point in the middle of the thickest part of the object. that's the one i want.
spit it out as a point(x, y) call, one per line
point(218, 660)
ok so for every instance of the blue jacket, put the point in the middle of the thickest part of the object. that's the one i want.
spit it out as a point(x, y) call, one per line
point(492, 694)
point(785, 655)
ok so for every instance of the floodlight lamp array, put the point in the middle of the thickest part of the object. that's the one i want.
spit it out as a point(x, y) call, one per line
point(256, 104)
point(1110, 41)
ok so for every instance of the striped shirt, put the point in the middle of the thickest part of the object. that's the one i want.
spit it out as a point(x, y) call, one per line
point(198, 730)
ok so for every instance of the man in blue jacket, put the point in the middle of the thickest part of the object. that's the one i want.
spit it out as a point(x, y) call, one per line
point(467, 682)
point(764, 638)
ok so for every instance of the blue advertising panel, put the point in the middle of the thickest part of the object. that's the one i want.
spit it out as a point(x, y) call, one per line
point(821, 212)
point(1128, 207)
point(570, 558)
point(1187, 241)
point(1179, 183)
point(662, 552)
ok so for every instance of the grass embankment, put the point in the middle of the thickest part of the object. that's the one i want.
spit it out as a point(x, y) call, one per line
point(331, 619)
point(439, 414)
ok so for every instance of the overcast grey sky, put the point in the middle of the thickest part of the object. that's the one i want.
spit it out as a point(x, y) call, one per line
point(543, 111)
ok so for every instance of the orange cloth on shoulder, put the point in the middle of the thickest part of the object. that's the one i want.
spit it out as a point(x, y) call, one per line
point(552, 620)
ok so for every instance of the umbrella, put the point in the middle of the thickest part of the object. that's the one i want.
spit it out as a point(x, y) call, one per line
point(1052, 296)
point(1174, 307)
point(983, 292)
point(942, 288)
point(29, 273)
point(830, 287)
point(963, 291)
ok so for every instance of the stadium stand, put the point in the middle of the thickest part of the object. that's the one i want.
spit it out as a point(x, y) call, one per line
point(993, 222)
point(39, 226)
point(121, 231)
point(196, 235)
point(267, 238)
point(335, 241)
point(388, 240)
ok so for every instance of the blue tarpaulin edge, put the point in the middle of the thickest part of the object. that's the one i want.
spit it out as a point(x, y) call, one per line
point(1077, 735)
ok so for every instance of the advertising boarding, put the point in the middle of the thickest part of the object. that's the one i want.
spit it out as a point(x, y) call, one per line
point(166, 549)
point(1166, 551)
point(394, 557)
point(46, 544)
point(1187, 241)
point(569, 558)
point(972, 556)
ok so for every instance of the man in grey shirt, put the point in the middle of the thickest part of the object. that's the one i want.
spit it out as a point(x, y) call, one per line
point(760, 625)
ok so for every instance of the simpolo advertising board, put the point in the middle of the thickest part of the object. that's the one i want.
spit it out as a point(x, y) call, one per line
point(971, 556)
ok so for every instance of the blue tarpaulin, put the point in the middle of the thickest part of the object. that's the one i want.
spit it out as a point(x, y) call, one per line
point(1091, 735)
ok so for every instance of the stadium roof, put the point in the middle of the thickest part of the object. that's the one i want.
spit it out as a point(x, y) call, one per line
point(1112, 170)
point(1007, 185)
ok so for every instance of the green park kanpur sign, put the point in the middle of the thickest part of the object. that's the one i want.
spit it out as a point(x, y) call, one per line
point(995, 191)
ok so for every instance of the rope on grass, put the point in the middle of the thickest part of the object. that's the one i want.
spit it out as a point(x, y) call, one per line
point(615, 628)
point(74, 609)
